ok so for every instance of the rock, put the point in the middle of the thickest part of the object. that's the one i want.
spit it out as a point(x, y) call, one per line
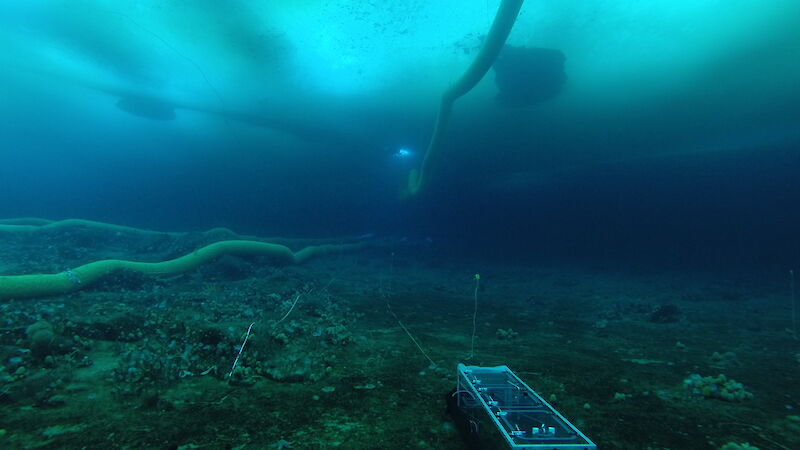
point(41, 337)
point(665, 314)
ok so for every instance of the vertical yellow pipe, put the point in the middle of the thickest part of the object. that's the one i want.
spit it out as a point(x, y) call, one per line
point(501, 27)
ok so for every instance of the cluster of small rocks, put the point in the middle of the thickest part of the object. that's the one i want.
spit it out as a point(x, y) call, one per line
point(720, 387)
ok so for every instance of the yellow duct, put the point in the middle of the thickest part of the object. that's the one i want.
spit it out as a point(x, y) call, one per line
point(501, 27)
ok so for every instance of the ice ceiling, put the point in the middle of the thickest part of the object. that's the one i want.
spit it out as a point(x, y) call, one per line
point(643, 77)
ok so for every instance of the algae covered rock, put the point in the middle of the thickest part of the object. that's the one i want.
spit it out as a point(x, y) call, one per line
point(41, 338)
point(736, 446)
point(720, 387)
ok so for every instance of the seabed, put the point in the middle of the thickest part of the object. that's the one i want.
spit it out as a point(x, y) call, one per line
point(145, 362)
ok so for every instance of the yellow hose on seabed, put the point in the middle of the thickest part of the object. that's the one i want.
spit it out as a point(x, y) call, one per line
point(501, 27)
point(43, 285)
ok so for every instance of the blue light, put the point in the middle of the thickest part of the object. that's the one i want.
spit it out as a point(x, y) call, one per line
point(403, 153)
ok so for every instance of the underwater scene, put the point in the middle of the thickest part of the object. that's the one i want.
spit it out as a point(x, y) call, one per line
point(363, 224)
